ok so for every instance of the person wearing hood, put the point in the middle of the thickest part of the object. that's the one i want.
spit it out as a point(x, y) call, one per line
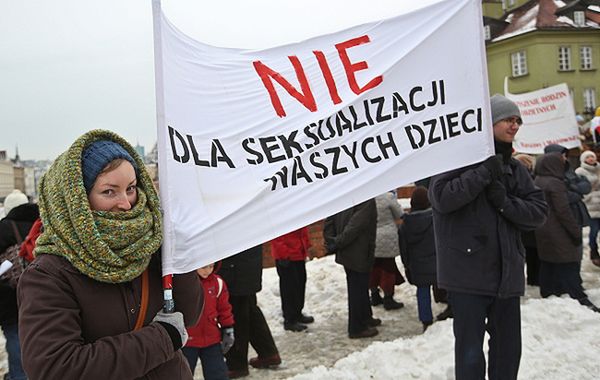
point(20, 215)
point(591, 170)
point(528, 237)
point(385, 273)
point(417, 250)
point(213, 335)
point(595, 126)
point(577, 185)
point(479, 212)
point(90, 304)
point(559, 239)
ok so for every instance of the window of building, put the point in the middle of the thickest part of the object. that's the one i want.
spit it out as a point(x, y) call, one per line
point(586, 57)
point(579, 18)
point(519, 63)
point(487, 33)
point(589, 99)
point(507, 3)
point(564, 58)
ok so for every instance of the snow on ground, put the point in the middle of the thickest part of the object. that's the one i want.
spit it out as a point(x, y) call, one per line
point(561, 339)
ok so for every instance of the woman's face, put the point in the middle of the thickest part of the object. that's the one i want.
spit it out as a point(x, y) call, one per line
point(114, 190)
point(590, 160)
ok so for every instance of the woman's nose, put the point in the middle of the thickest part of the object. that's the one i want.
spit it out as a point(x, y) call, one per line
point(123, 202)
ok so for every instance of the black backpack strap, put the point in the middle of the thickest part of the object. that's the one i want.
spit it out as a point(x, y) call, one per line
point(16, 231)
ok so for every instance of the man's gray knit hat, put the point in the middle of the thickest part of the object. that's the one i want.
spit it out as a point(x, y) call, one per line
point(503, 108)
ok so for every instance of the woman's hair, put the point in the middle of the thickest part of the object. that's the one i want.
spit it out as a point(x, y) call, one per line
point(112, 165)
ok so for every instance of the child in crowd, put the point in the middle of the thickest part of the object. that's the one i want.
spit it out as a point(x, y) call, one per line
point(213, 334)
point(417, 250)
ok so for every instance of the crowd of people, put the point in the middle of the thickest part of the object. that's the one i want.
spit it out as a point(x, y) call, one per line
point(93, 292)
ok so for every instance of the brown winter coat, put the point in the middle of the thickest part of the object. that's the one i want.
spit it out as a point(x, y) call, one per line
point(353, 232)
point(73, 327)
point(559, 238)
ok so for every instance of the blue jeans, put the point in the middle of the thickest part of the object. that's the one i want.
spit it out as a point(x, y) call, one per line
point(211, 357)
point(501, 318)
point(424, 304)
point(13, 349)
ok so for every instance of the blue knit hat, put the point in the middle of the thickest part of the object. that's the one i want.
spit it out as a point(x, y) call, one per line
point(96, 156)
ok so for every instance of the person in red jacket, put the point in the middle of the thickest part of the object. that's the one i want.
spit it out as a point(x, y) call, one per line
point(213, 335)
point(290, 252)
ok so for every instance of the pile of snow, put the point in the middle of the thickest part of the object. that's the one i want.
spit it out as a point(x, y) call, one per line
point(561, 339)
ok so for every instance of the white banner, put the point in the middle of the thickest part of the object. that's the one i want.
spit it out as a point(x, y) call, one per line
point(254, 144)
point(548, 118)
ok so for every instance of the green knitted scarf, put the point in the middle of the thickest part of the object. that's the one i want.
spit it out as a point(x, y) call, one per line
point(107, 246)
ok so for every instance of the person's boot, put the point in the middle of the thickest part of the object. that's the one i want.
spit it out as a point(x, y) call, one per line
point(390, 304)
point(237, 373)
point(294, 326)
point(376, 297)
point(265, 361)
point(595, 257)
point(587, 303)
point(306, 319)
point(426, 325)
point(447, 313)
point(366, 333)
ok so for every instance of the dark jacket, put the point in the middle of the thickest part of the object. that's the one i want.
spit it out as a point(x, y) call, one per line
point(23, 216)
point(478, 246)
point(417, 247)
point(74, 327)
point(352, 232)
point(243, 272)
point(577, 187)
point(558, 240)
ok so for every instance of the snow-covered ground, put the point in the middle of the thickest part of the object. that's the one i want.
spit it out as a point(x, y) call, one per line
point(561, 339)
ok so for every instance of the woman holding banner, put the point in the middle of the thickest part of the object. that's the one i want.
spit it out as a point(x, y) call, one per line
point(90, 303)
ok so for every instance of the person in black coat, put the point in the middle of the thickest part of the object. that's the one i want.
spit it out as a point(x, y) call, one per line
point(532, 258)
point(243, 275)
point(479, 212)
point(23, 216)
point(559, 239)
point(417, 250)
point(350, 234)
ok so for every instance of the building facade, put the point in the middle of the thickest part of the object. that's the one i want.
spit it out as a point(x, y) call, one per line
point(541, 43)
point(7, 178)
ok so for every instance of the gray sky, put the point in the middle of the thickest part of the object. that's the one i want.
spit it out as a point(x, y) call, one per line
point(68, 66)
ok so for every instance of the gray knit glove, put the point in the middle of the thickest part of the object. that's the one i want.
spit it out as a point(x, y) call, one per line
point(173, 323)
point(227, 340)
